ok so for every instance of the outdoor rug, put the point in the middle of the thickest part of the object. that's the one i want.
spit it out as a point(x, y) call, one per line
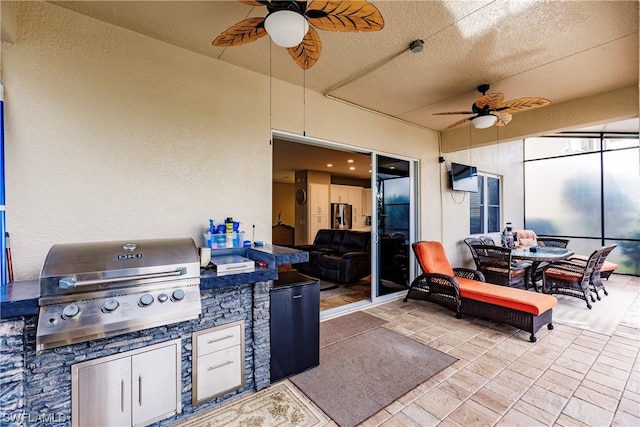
point(603, 318)
point(279, 405)
point(361, 375)
point(347, 326)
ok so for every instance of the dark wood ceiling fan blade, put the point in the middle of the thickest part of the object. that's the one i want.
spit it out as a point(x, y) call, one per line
point(453, 112)
point(307, 53)
point(503, 118)
point(491, 100)
point(459, 122)
point(255, 2)
point(344, 16)
point(243, 32)
point(523, 104)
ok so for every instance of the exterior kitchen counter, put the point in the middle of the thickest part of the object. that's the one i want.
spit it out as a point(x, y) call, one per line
point(21, 298)
point(39, 384)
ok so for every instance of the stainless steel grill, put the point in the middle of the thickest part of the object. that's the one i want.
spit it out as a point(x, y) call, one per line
point(102, 289)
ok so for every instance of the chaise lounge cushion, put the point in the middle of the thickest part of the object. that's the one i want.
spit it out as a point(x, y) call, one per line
point(517, 299)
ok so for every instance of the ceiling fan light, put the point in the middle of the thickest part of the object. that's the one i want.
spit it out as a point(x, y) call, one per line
point(286, 28)
point(483, 122)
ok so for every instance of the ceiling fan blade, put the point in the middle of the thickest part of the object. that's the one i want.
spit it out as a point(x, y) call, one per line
point(459, 122)
point(307, 53)
point(243, 32)
point(523, 104)
point(344, 16)
point(503, 118)
point(491, 100)
point(454, 112)
point(255, 2)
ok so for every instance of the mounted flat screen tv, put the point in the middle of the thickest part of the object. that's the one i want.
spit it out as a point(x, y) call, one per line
point(464, 178)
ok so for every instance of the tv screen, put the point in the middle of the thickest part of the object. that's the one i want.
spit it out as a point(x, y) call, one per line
point(464, 178)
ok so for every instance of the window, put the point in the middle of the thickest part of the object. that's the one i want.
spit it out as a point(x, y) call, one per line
point(484, 211)
point(586, 188)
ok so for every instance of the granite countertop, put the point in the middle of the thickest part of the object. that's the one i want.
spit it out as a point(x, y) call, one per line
point(21, 298)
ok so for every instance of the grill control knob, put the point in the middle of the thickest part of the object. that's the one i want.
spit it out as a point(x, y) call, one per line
point(71, 310)
point(177, 295)
point(146, 299)
point(110, 305)
point(163, 297)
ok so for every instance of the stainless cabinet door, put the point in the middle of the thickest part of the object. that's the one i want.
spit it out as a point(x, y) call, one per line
point(104, 394)
point(154, 385)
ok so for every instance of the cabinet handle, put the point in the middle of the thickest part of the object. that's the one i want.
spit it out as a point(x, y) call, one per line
point(219, 339)
point(121, 395)
point(228, 362)
point(297, 296)
point(140, 390)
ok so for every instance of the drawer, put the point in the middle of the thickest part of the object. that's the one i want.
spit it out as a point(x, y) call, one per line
point(219, 373)
point(219, 339)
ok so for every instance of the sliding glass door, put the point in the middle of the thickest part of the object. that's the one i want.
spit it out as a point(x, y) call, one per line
point(395, 224)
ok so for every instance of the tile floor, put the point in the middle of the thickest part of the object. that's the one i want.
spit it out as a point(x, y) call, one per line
point(571, 376)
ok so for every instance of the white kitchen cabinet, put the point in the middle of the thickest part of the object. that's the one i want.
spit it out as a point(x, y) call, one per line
point(318, 209)
point(366, 202)
point(355, 200)
point(339, 193)
point(318, 199)
point(134, 388)
point(218, 361)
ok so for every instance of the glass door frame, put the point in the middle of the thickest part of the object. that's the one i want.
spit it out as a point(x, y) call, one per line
point(413, 224)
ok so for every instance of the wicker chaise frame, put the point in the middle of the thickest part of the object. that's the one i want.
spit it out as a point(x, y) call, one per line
point(444, 290)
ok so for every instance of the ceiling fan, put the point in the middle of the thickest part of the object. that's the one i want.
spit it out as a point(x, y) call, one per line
point(489, 109)
point(291, 24)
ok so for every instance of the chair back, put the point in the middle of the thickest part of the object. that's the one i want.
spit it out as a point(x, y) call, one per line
point(487, 240)
point(604, 252)
point(527, 237)
point(432, 257)
point(470, 241)
point(495, 262)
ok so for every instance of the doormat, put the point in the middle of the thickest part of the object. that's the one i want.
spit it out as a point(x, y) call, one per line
point(278, 405)
point(361, 375)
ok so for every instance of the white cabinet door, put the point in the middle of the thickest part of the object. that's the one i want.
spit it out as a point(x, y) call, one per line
point(339, 194)
point(104, 394)
point(366, 202)
point(318, 199)
point(154, 385)
point(355, 200)
point(317, 222)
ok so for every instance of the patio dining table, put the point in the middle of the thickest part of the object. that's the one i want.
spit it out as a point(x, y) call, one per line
point(538, 255)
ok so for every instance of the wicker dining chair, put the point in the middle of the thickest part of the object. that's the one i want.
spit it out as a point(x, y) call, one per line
point(470, 241)
point(595, 281)
point(570, 278)
point(498, 266)
point(487, 240)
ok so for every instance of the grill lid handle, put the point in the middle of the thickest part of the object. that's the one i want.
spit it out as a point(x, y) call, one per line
point(70, 282)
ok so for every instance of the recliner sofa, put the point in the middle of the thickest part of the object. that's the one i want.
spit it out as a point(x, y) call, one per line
point(341, 256)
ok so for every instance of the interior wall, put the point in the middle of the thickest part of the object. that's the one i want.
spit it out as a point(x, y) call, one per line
point(283, 204)
point(112, 135)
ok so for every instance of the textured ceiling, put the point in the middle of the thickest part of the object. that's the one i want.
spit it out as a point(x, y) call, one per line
point(559, 50)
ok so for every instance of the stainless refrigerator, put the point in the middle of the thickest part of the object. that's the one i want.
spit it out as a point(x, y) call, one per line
point(340, 215)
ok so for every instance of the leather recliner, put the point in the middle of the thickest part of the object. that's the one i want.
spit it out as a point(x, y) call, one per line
point(341, 256)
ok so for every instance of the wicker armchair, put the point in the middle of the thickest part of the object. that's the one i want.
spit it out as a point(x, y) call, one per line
point(595, 281)
point(440, 288)
point(571, 278)
point(498, 266)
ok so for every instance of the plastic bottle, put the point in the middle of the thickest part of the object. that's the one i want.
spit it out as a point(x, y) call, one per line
point(229, 225)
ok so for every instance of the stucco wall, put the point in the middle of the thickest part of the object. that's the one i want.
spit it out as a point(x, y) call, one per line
point(113, 135)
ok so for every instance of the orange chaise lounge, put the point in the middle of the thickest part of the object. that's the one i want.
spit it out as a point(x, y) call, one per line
point(464, 291)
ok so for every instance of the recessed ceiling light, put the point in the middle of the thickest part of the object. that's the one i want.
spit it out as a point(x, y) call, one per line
point(352, 168)
point(329, 165)
point(392, 167)
point(350, 161)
